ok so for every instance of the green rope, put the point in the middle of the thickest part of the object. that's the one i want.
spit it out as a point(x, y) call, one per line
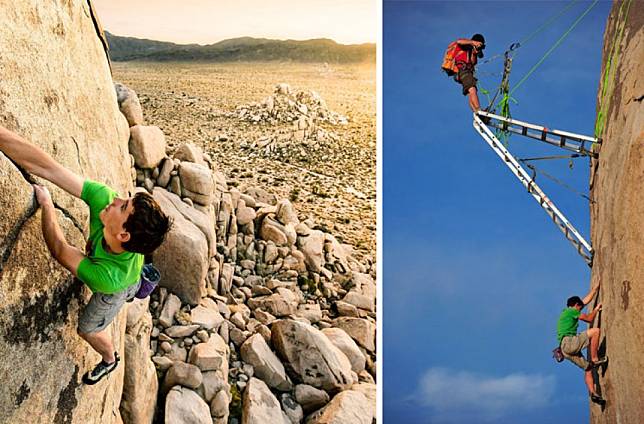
point(607, 86)
point(548, 22)
point(535, 32)
point(557, 43)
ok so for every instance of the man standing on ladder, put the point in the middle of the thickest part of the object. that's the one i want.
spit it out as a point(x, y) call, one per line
point(572, 343)
point(466, 57)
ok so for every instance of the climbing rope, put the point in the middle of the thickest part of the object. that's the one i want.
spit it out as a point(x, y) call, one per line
point(547, 23)
point(557, 43)
point(528, 38)
point(607, 83)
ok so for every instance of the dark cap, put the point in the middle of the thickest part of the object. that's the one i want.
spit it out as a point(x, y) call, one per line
point(479, 37)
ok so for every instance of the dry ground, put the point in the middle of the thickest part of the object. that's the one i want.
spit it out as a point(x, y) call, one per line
point(334, 182)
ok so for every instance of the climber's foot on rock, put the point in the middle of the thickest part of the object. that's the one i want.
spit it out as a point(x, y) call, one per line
point(101, 370)
point(597, 399)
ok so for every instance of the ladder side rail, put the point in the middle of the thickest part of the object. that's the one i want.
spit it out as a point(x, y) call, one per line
point(567, 146)
point(532, 187)
point(578, 137)
point(512, 121)
point(576, 244)
point(540, 128)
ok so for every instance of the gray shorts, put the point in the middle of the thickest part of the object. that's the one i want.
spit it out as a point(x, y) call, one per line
point(102, 308)
point(571, 347)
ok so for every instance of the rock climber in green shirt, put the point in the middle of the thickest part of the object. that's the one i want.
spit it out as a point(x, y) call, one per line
point(572, 343)
point(122, 231)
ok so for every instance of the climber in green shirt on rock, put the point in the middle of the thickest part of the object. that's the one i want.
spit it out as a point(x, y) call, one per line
point(572, 343)
point(122, 231)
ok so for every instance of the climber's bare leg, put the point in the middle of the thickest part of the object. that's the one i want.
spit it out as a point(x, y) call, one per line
point(101, 342)
point(473, 99)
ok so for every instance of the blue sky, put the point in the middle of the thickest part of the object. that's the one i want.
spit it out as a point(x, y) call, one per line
point(475, 274)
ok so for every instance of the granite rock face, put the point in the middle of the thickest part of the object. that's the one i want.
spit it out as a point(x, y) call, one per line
point(65, 104)
point(617, 217)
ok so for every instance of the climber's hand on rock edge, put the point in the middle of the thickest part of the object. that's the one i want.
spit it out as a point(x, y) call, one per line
point(42, 195)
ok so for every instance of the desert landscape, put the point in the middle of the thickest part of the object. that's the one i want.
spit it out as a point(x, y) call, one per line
point(272, 191)
point(330, 177)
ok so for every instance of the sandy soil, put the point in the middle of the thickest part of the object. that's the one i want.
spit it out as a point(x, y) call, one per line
point(334, 181)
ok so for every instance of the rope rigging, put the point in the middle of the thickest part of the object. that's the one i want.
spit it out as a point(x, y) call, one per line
point(536, 171)
point(503, 89)
point(525, 40)
point(504, 93)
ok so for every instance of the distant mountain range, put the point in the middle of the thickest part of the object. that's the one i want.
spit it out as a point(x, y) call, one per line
point(244, 49)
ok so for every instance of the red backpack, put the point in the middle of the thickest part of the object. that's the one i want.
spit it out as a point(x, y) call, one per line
point(449, 60)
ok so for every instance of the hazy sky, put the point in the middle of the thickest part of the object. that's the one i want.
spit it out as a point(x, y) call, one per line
point(209, 21)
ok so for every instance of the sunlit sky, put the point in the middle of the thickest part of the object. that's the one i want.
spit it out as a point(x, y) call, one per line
point(209, 21)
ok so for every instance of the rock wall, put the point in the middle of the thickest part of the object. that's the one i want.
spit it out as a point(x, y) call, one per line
point(617, 217)
point(55, 90)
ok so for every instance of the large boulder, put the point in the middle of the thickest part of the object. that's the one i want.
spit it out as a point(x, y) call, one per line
point(361, 330)
point(196, 179)
point(182, 258)
point(370, 391)
point(183, 374)
point(310, 398)
point(260, 406)
point(199, 219)
point(210, 356)
point(267, 366)
point(348, 407)
point(312, 246)
point(184, 406)
point(345, 343)
point(188, 152)
point(207, 318)
point(57, 92)
point(311, 355)
point(147, 145)
point(275, 304)
point(272, 230)
point(129, 104)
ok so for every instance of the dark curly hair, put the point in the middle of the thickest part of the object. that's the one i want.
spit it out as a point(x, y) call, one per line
point(574, 301)
point(147, 225)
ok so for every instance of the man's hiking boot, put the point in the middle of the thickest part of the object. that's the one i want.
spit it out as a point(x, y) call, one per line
point(597, 399)
point(100, 371)
point(598, 363)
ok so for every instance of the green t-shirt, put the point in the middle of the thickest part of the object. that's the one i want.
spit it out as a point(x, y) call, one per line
point(568, 323)
point(105, 272)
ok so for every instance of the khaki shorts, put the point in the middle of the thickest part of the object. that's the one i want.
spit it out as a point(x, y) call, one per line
point(571, 347)
point(467, 80)
point(102, 308)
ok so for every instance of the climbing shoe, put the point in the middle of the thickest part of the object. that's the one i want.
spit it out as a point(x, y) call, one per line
point(598, 363)
point(597, 398)
point(100, 371)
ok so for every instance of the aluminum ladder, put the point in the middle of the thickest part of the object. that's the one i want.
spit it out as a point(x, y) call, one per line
point(563, 139)
point(566, 140)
